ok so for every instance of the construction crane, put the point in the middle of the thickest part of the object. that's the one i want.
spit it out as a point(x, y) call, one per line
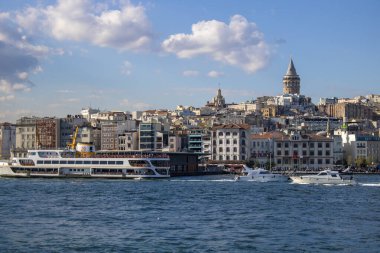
point(73, 144)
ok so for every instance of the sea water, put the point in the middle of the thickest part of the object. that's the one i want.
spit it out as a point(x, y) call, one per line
point(191, 214)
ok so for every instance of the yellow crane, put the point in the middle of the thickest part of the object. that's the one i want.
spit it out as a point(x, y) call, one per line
point(73, 144)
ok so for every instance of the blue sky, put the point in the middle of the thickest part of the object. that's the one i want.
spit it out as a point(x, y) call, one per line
point(60, 56)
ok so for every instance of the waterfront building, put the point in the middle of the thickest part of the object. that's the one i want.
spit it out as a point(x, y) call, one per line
point(7, 140)
point(25, 136)
point(291, 81)
point(199, 141)
point(48, 133)
point(230, 142)
point(110, 133)
point(67, 128)
point(89, 134)
point(153, 135)
point(359, 145)
point(129, 140)
point(262, 146)
point(303, 151)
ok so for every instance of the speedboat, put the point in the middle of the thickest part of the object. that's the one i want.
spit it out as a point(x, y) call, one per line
point(259, 175)
point(323, 177)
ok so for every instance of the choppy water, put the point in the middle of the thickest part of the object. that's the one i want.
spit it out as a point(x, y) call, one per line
point(194, 214)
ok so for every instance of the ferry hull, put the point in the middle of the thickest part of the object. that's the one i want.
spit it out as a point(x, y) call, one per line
point(6, 171)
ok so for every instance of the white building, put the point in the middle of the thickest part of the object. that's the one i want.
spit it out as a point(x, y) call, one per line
point(230, 142)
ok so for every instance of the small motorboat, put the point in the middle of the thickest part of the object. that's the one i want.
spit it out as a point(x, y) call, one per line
point(323, 177)
point(260, 175)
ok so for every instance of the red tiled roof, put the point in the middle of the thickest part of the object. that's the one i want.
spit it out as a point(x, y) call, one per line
point(231, 126)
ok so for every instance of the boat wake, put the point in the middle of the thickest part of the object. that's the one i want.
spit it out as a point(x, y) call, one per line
point(370, 184)
point(204, 180)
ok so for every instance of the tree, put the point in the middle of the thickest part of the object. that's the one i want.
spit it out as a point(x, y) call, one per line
point(361, 162)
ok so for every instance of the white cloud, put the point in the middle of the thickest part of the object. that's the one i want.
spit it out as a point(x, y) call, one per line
point(214, 73)
point(126, 27)
point(135, 106)
point(190, 73)
point(126, 68)
point(6, 98)
point(238, 43)
point(19, 57)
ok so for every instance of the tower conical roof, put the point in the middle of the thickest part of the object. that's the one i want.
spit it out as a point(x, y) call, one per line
point(291, 69)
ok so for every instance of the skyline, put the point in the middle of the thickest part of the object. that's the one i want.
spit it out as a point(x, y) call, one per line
point(61, 56)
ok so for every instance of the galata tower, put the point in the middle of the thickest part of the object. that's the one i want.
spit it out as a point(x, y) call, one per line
point(291, 80)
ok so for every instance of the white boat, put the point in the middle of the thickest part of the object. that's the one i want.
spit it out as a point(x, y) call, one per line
point(260, 175)
point(323, 177)
point(102, 164)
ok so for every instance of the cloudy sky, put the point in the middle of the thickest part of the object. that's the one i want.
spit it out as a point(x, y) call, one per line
point(59, 56)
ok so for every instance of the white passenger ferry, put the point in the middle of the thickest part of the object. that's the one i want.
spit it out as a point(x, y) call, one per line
point(101, 164)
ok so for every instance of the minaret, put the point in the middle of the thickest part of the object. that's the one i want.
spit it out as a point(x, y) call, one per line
point(291, 80)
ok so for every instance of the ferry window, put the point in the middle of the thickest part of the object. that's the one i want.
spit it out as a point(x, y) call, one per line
point(111, 162)
point(40, 162)
point(54, 162)
point(47, 162)
point(70, 162)
point(63, 162)
point(87, 162)
point(323, 174)
point(119, 162)
point(95, 162)
point(78, 162)
point(103, 162)
point(333, 175)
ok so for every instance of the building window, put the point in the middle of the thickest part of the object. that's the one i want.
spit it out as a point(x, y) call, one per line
point(220, 134)
point(295, 145)
point(220, 149)
point(235, 141)
point(243, 134)
point(319, 152)
point(278, 152)
point(279, 145)
point(327, 152)
point(286, 144)
point(319, 144)
point(227, 141)
point(228, 133)
point(311, 152)
point(319, 161)
point(227, 150)
point(220, 141)
point(286, 152)
point(304, 145)
point(327, 161)
point(327, 145)
point(278, 161)
point(312, 145)
point(235, 149)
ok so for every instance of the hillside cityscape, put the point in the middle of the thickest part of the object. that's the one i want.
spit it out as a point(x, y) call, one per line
point(285, 132)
